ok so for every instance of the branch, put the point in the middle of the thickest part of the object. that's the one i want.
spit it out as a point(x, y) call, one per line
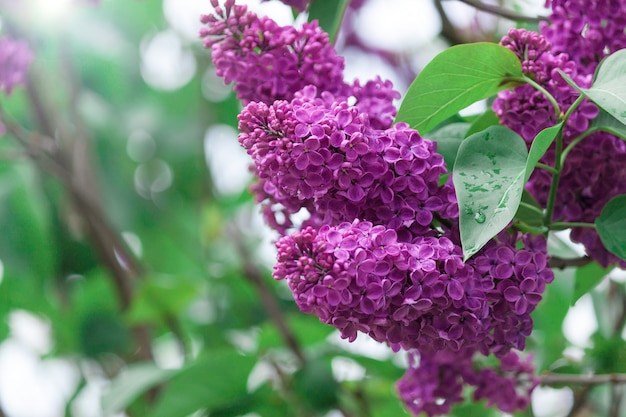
point(254, 275)
point(448, 31)
point(113, 252)
point(562, 263)
point(580, 399)
point(558, 379)
point(617, 394)
point(502, 12)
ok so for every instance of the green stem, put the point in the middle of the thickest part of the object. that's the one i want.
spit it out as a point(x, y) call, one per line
point(569, 225)
point(525, 228)
point(573, 107)
point(531, 208)
point(558, 156)
point(556, 176)
point(546, 167)
point(550, 97)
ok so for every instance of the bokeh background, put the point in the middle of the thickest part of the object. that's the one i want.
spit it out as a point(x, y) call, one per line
point(154, 296)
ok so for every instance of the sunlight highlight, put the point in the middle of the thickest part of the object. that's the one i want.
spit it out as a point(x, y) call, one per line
point(54, 11)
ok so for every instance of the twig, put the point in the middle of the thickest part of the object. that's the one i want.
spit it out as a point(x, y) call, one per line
point(557, 379)
point(617, 394)
point(580, 399)
point(253, 274)
point(113, 252)
point(562, 263)
point(620, 321)
point(502, 12)
point(448, 30)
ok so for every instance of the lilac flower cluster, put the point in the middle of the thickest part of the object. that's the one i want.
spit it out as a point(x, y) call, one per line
point(416, 295)
point(433, 383)
point(323, 155)
point(380, 253)
point(266, 61)
point(587, 30)
point(421, 297)
point(593, 171)
point(15, 57)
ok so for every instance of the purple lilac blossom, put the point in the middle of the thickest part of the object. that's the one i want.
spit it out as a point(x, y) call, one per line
point(433, 383)
point(15, 57)
point(369, 259)
point(592, 171)
point(268, 62)
point(324, 155)
point(421, 297)
point(586, 30)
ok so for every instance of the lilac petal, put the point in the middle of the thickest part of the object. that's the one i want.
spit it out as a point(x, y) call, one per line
point(302, 115)
point(317, 131)
point(521, 306)
point(503, 271)
point(302, 161)
point(528, 285)
point(315, 159)
point(301, 130)
point(355, 193)
point(333, 297)
point(455, 290)
point(512, 294)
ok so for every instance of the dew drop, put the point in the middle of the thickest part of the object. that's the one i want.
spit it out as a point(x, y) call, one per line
point(480, 217)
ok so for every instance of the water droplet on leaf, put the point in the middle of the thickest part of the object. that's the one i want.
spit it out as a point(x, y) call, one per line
point(480, 217)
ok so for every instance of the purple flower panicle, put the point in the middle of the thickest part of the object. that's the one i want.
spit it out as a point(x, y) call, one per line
point(15, 57)
point(268, 62)
point(324, 155)
point(593, 171)
point(420, 296)
point(587, 31)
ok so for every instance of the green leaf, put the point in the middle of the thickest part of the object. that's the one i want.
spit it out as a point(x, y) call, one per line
point(448, 139)
point(102, 332)
point(212, 382)
point(159, 295)
point(540, 145)
point(27, 242)
point(307, 329)
point(609, 86)
point(482, 122)
point(455, 79)
point(527, 215)
point(547, 338)
point(607, 123)
point(316, 385)
point(587, 277)
point(329, 14)
point(489, 179)
point(611, 226)
point(131, 383)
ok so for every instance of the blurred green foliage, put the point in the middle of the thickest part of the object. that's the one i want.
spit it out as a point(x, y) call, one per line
point(188, 257)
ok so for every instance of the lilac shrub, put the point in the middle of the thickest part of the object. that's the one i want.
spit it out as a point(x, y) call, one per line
point(380, 253)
